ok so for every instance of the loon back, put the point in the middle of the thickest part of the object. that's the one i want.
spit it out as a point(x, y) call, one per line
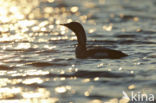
point(101, 53)
point(98, 53)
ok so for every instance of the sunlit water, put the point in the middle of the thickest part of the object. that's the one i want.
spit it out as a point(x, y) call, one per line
point(37, 60)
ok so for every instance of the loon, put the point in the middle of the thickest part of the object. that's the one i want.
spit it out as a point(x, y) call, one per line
point(95, 53)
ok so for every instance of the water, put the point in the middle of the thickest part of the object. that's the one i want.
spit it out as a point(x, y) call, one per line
point(37, 60)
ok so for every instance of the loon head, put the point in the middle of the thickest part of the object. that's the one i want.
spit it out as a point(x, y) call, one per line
point(79, 31)
point(74, 26)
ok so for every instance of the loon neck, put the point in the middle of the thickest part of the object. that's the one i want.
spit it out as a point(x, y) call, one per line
point(81, 47)
point(81, 38)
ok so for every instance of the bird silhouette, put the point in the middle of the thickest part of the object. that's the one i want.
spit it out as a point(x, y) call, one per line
point(95, 53)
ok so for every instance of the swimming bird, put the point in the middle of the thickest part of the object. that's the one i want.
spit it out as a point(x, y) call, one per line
point(83, 52)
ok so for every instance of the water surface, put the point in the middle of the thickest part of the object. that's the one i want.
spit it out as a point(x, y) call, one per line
point(37, 60)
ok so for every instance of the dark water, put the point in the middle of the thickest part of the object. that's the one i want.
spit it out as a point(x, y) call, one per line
point(37, 60)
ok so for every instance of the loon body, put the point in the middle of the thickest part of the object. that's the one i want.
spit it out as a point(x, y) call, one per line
point(96, 53)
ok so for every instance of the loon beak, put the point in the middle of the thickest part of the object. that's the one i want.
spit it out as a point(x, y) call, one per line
point(68, 25)
point(65, 25)
point(62, 24)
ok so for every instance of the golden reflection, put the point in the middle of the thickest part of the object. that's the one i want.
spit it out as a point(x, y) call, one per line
point(83, 18)
point(131, 87)
point(86, 80)
point(3, 72)
point(24, 30)
point(108, 28)
point(59, 38)
point(26, 23)
point(120, 68)
point(62, 72)
point(51, 26)
point(62, 78)
point(135, 19)
point(39, 93)
point(124, 100)
point(48, 9)
point(62, 89)
point(47, 100)
point(4, 82)
point(92, 30)
point(33, 80)
point(51, 1)
point(96, 78)
point(35, 72)
point(88, 92)
point(43, 29)
point(9, 92)
point(4, 30)
point(16, 37)
point(72, 69)
point(23, 46)
point(100, 65)
point(69, 20)
point(35, 28)
point(74, 9)
point(73, 38)
point(132, 72)
point(14, 81)
point(12, 11)
point(113, 100)
point(43, 24)
point(96, 101)
point(58, 22)
point(42, 40)
point(138, 30)
point(49, 47)
point(63, 30)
